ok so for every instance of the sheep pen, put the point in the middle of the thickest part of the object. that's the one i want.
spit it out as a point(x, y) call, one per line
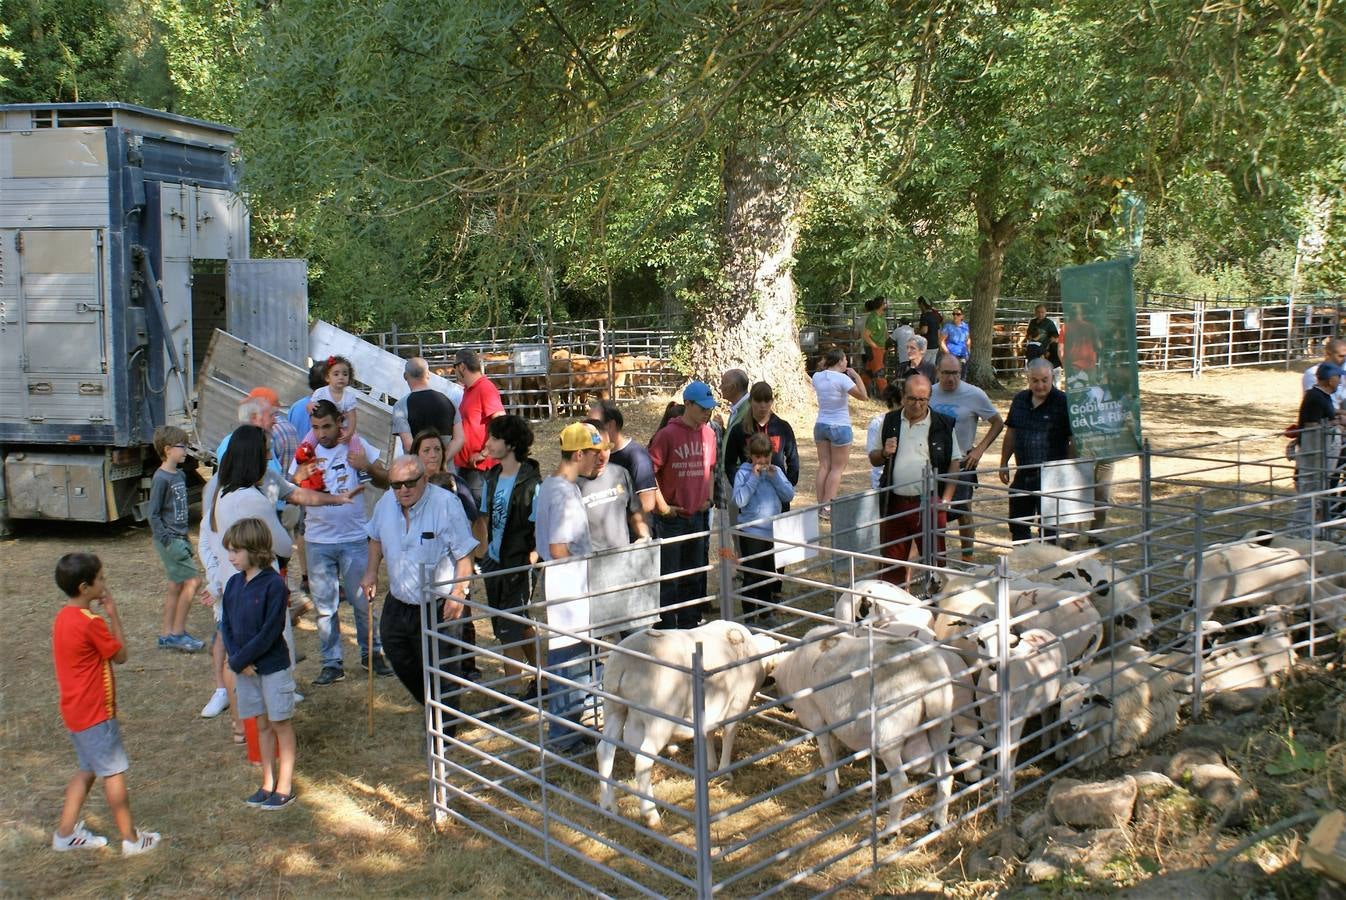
point(768, 828)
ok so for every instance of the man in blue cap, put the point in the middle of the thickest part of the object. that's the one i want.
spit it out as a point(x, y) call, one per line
point(683, 453)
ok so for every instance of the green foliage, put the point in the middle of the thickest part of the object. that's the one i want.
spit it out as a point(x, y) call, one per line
point(70, 50)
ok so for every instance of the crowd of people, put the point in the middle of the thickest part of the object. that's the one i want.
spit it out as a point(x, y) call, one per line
point(284, 527)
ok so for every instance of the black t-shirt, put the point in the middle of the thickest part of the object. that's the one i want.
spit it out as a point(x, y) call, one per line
point(1315, 407)
point(431, 409)
point(930, 322)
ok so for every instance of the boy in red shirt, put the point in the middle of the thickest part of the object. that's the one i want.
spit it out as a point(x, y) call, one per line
point(84, 647)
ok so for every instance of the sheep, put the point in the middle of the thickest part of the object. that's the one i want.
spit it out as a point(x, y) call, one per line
point(1036, 672)
point(1254, 663)
point(1132, 703)
point(1063, 612)
point(1126, 618)
point(872, 600)
point(1329, 558)
point(913, 702)
point(632, 678)
point(1246, 575)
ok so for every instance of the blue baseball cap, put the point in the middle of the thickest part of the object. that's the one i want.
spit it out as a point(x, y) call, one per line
point(1329, 370)
point(698, 392)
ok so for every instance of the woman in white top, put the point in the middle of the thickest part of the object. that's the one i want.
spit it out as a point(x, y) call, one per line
point(835, 383)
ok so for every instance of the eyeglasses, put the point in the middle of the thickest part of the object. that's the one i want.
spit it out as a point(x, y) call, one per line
point(405, 485)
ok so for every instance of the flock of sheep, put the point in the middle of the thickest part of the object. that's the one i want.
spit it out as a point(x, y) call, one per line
point(926, 683)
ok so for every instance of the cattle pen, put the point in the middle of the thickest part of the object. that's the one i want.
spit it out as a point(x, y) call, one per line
point(549, 368)
point(523, 771)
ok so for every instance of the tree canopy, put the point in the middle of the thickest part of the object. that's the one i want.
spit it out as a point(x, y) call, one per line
point(470, 162)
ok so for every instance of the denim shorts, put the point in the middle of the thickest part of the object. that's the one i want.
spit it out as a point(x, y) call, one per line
point(271, 695)
point(837, 435)
point(99, 749)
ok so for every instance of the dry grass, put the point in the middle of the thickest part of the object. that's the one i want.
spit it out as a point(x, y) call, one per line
point(362, 824)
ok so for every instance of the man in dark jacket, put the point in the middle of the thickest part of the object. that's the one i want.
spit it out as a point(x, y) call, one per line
point(1037, 431)
point(915, 438)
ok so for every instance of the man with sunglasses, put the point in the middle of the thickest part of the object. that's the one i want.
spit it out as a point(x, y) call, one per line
point(915, 437)
point(967, 405)
point(422, 531)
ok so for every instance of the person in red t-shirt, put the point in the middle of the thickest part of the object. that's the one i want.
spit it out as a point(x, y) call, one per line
point(683, 454)
point(84, 647)
point(481, 403)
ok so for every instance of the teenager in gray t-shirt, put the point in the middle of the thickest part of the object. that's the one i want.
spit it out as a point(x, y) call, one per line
point(610, 501)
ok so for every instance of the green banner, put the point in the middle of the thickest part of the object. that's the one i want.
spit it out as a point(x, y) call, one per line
point(1099, 354)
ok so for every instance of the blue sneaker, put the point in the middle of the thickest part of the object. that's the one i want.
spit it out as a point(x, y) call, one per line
point(191, 644)
point(168, 642)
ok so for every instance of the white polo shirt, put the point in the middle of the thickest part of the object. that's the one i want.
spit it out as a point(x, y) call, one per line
point(913, 455)
point(435, 528)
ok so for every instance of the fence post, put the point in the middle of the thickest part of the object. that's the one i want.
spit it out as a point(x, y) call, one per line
point(1146, 520)
point(928, 520)
point(727, 558)
point(395, 340)
point(1005, 806)
point(1198, 623)
point(1198, 335)
point(701, 768)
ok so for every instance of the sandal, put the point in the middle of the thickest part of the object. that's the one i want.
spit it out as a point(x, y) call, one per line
point(240, 737)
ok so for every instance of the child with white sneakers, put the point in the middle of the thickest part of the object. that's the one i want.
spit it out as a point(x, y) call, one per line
point(84, 647)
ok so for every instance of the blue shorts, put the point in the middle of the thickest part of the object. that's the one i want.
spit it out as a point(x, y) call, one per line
point(99, 749)
point(837, 435)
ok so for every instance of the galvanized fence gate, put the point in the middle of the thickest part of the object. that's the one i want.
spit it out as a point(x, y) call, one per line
point(1171, 617)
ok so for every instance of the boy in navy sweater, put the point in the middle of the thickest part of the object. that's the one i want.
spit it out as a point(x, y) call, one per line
point(253, 631)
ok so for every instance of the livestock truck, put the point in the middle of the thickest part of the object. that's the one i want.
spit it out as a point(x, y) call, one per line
point(123, 245)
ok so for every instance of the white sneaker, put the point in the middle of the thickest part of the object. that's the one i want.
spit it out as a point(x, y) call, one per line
point(298, 697)
point(80, 839)
point(218, 703)
point(145, 842)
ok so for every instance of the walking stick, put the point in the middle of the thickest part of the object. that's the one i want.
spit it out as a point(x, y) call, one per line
point(369, 636)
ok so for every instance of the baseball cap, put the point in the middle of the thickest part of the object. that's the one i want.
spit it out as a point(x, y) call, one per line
point(1329, 370)
point(581, 436)
point(265, 393)
point(698, 392)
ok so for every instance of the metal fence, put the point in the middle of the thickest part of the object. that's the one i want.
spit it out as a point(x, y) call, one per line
point(545, 369)
point(953, 681)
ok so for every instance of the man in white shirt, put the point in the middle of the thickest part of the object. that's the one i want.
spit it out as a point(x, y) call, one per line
point(914, 438)
point(419, 528)
point(337, 545)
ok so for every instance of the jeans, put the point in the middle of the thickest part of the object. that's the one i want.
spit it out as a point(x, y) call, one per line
point(1025, 507)
point(676, 558)
point(325, 563)
point(759, 575)
point(574, 662)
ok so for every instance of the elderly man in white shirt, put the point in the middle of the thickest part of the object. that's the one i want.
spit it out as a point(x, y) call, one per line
point(416, 527)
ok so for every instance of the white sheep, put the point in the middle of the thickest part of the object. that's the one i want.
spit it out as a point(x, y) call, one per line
point(1037, 671)
point(655, 684)
point(1114, 593)
point(1252, 663)
point(872, 600)
point(1246, 574)
point(913, 702)
point(1117, 706)
point(1066, 613)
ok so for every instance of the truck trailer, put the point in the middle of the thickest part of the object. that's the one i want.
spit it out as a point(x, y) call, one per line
point(124, 243)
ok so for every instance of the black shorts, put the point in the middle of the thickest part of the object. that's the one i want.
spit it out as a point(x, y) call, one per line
point(962, 495)
point(511, 591)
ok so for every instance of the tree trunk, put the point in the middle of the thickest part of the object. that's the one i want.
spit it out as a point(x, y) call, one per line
point(748, 320)
point(995, 237)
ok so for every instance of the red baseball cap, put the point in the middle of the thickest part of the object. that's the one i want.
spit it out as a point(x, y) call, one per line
point(265, 393)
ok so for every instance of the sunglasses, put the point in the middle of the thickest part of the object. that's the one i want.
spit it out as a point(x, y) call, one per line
point(405, 485)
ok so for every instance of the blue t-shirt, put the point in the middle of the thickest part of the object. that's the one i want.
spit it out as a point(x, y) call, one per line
point(955, 338)
point(499, 504)
point(298, 416)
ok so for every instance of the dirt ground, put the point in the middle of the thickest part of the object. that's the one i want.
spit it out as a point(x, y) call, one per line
point(361, 825)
